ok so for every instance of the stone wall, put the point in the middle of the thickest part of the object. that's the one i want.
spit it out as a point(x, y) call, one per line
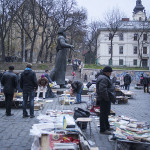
point(135, 75)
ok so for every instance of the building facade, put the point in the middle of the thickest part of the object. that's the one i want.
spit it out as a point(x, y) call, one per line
point(130, 46)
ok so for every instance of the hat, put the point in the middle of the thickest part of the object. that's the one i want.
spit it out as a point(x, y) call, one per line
point(107, 69)
point(42, 76)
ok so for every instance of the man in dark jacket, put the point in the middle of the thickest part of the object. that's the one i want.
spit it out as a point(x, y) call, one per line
point(77, 87)
point(49, 93)
point(103, 90)
point(127, 81)
point(28, 83)
point(146, 84)
point(9, 81)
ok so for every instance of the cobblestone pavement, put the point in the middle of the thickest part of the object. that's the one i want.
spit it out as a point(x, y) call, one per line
point(14, 130)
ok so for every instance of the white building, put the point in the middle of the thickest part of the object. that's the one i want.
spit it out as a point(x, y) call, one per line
point(127, 50)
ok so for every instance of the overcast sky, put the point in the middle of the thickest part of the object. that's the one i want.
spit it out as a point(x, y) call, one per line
point(97, 8)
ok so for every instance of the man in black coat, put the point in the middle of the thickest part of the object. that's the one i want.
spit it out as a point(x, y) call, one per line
point(146, 84)
point(9, 81)
point(127, 81)
point(104, 92)
point(28, 83)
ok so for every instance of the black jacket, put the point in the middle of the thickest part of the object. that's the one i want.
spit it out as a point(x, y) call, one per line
point(9, 81)
point(127, 79)
point(145, 80)
point(28, 81)
point(76, 86)
point(104, 89)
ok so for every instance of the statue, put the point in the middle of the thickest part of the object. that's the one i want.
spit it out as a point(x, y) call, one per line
point(58, 72)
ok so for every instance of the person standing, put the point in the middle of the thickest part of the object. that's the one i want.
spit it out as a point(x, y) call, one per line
point(59, 71)
point(28, 83)
point(42, 84)
point(146, 84)
point(105, 95)
point(127, 81)
point(77, 87)
point(122, 81)
point(9, 81)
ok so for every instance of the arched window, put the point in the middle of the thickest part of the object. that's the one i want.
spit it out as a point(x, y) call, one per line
point(121, 36)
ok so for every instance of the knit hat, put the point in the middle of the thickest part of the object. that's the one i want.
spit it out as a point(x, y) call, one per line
point(42, 76)
point(107, 69)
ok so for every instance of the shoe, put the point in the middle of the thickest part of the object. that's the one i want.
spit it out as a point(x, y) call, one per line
point(106, 132)
point(32, 116)
point(110, 129)
point(25, 116)
point(9, 114)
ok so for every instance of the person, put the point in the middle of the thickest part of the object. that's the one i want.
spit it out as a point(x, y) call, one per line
point(28, 83)
point(73, 74)
point(42, 84)
point(146, 84)
point(77, 87)
point(114, 79)
point(105, 95)
point(9, 81)
point(59, 71)
point(49, 93)
point(121, 81)
point(127, 81)
point(141, 79)
point(85, 77)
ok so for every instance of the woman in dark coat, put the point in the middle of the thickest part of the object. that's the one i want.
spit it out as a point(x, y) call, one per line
point(59, 71)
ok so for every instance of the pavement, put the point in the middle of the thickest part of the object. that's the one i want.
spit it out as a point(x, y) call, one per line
point(15, 130)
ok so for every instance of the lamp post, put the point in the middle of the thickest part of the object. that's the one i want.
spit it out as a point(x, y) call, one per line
point(24, 43)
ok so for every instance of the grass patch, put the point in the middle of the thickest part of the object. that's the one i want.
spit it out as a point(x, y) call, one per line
point(94, 66)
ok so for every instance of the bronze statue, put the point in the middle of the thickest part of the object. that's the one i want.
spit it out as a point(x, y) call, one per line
point(59, 71)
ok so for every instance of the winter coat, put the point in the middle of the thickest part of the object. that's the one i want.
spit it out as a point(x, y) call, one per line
point(43, 82)
point(59, 71)
point(28, 81)
point(9, 81)
point(127, 79)
point(104, 89)
point(145, 81)
point(76, 86)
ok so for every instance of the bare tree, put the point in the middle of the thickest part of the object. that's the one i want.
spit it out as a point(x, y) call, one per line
point(113, 23)
point(92, 42)
point(7, 11)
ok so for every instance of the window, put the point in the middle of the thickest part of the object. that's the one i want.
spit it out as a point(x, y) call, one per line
point(135, 50)
point(120, 62)
point(135, 37)
point(140, 19)
point(144, 50)
point(120, 49)
point(121, 36)
point(109, 50)
point(145, 37)
point(135, 62)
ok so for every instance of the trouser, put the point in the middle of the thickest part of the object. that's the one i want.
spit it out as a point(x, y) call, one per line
point(146, 87)
point(8, 102)
point(127, 86)
point(29, 95)
point(78, 96)
point(49, 93)
point(104, 113)
point(39, 90)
